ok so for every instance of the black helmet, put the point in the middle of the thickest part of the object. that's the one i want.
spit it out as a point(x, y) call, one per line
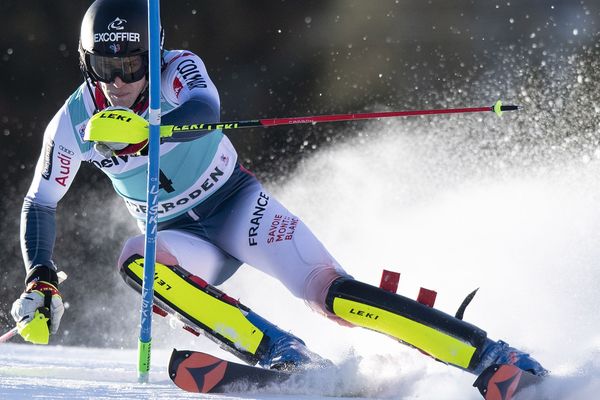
point(114, 40)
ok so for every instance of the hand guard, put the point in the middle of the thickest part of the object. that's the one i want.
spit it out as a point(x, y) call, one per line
point(117, 131)
point(41, 301)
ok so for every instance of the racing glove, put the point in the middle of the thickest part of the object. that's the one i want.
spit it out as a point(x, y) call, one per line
point(40, 307)
point(109, 149)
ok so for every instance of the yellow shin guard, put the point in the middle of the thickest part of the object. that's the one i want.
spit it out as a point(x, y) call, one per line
point(201, 305)
point(444, 337)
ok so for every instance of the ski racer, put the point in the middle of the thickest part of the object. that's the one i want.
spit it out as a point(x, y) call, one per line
point(214, 215)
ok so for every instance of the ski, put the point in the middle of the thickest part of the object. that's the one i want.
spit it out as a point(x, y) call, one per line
point(504, 382)
point(199, 372)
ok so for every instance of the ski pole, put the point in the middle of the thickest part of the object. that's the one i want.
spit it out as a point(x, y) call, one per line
point(111, 121)
point(9, 335)
point(145, 336)
point(169, 130)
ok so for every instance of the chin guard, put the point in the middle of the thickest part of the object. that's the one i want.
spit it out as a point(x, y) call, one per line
point(442, 336)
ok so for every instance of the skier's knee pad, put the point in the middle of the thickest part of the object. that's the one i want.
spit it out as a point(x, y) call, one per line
point(199, 304)
point(136, 245)
point(438, 334)
point(316, 288)
point(214, 265)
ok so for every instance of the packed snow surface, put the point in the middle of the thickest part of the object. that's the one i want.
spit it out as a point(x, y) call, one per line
point(426, 199)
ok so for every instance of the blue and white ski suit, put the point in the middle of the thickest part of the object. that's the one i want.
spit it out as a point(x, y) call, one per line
point(214, 215)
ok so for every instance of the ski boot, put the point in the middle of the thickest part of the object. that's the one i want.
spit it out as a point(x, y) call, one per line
point(285, 351)
point(501, 353)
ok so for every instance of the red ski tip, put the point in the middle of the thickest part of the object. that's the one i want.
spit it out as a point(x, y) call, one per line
point(504, 382)
point(196, 372)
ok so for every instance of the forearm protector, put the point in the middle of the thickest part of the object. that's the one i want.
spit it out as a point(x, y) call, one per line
point(193, 111)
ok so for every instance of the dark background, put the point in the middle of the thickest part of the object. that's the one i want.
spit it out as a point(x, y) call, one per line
point(278, 59)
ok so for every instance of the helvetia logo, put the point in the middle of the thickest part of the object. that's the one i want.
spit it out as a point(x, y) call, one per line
point(117, 25)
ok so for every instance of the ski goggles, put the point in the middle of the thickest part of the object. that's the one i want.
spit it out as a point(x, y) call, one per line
point(105, 69)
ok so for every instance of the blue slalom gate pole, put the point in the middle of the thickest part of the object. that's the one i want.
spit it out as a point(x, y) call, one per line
point(145, 341)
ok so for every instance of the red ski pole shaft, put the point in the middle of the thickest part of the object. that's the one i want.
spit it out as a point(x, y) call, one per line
point(375, 115)
point(168, 130)
point(8, 335)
